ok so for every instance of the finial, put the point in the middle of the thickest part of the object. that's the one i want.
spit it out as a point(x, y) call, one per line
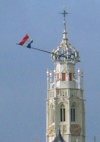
point(64, 13)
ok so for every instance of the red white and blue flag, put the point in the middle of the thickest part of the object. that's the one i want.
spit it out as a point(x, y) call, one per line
point(26, 41)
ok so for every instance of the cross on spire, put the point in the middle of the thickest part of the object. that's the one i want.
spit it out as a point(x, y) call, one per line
point(64, 13)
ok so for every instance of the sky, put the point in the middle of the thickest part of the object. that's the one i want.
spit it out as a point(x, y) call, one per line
point(23, 71)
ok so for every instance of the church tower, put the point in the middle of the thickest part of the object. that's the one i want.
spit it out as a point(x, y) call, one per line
point(65, 107)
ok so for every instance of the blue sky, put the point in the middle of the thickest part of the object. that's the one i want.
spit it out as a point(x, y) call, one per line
point(23, 71)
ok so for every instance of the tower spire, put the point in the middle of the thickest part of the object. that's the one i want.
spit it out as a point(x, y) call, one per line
point(64, 13)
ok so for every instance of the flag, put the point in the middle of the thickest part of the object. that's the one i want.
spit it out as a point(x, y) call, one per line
point(26, 41)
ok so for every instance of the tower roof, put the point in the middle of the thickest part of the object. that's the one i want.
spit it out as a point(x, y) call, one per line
point(65, 52)
point(58, 137)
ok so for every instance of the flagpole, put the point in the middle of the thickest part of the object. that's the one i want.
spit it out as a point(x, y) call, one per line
point(42, 50)
point(61, 55)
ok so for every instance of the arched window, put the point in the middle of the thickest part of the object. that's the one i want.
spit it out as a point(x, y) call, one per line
point(62, 113)
point(70, 76)
point(73, 113)
point(63, 76)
